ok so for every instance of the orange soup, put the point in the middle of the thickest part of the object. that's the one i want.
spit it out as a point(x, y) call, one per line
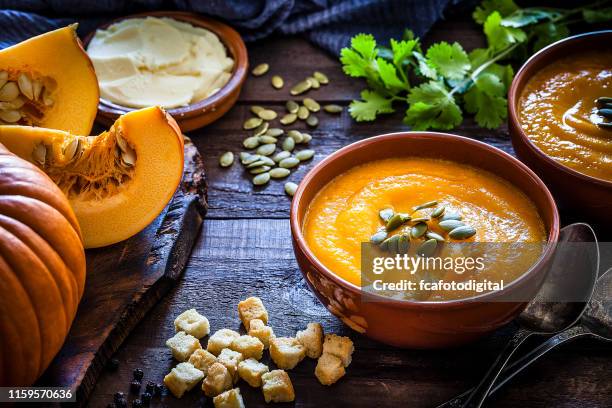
point(558, 112)
point(346, 212)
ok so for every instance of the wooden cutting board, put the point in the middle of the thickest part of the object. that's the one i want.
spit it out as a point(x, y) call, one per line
point(126, 279)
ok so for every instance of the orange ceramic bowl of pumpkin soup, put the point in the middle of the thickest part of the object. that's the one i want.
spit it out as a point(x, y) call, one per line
point(426, 188)
point(558, 104)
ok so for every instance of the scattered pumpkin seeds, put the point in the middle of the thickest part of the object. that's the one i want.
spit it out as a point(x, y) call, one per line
point(261, 129)
point(261, 179)
point(385, 214)
point(304, 155)
point(251, 142)
point(255, 109)
point(275, 132)
point(303, 113)
point(279, 172)
point(267, 114)
point(321, 77)
point(251, 158)
point(332, 108)
point(312, 121)
point(226, 159)
point(280, 156)
point(288, 119)
point(449, 225)
point(311, 104)
point(290, 188)
point(260, 69)
point(396, 220)
point(267, 161)
point(296, 135)
point(265, 139)
point(378, 237)
point(289, 162)
point(292, 106)
point(288, 144)
point(314, 83)
point(462, 232)
point(256, 163)
point(277, 82)
point(258, 170)
point(418, 230)
point(306, 138)
point(427, 248)
point(252, 123)
point(266, 150)
point(301, 87)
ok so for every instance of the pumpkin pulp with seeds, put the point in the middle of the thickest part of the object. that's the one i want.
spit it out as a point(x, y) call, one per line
point(345, 213)
point(558, 112)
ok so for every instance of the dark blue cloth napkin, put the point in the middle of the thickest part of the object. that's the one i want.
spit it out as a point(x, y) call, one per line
point(328, 23)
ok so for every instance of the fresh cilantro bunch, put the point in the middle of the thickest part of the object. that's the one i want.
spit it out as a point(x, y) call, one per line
point(440, 83)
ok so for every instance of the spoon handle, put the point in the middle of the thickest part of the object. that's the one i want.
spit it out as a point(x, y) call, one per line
point(522, 363)
point(479, 394)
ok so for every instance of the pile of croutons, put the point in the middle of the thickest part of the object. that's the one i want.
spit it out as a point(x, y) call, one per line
point(229, 356)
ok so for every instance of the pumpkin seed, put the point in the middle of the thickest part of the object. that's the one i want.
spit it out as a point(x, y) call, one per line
point(9, 92)
point(396, 220)
point(251, 142)
point(248, 158)
point(129, 157)
point(296, 135)
point(252, 123)
point(311, 104)
point(275, 132)
point(265, 139)
point(288, 144)
point(428, 204)
point(332, 108)
point(378, 237)
point(226, 159)
point(40, 154)
point(321, 77)
point(462, 232)
point(303, 113)
point(451, 215)
point(279, 172)
point(72, 148)
point(261, 179)
point(244, 156)
point(261, 129)
point(10, 115)
point(259, 170)
point(255, 109)
point(418, 230)
point(301, 87)
point(290, 188)
point(281, 155)
point(256, 163)
point(292, 106)
point(403, 244)
point(427, 248)
point(385, 214)
point(289, 163)
point(277, 82)
point(288, 119)
point(306, 138)
point(438, 212)
point(312, 121)
point(25, 86)
point(267, 161)
point(37, 87)
point(390, 244)
point(433, 235)
point(304, 155)
point(267, 114)
point(449, 225)
point(266, 150)
point(314, 83)
point(260, 69)
point(420, 219)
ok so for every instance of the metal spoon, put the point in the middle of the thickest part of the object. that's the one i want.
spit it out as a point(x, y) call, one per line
point(571, 276)
point(595, 323)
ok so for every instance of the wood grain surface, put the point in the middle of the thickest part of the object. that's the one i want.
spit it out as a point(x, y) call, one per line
point(245, 249)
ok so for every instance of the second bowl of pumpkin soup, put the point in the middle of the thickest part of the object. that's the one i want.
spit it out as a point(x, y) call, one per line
point(413, 192)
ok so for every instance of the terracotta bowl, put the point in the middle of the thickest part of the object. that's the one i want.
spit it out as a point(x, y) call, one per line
point(426, 324)
point(206, 111)
point(585, 195)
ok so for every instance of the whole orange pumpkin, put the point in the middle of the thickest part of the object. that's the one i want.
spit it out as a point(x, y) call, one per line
point(42, 270)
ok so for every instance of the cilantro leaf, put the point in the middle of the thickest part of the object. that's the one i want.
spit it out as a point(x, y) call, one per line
point(388, 74)
point(504, 72)
point(451, 61)
point(487, 100)
point(504, 7)
point(372, 104)
point(423, 68)
point(525, 17)
point(432, 106)
point(357, 59)
point(500, 37)
point(402, 50)
point(548, 33)
point(597, 16)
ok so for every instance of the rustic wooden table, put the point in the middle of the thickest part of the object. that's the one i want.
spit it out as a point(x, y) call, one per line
point(244, 249)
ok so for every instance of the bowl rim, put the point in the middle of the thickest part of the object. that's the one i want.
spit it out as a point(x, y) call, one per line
point(514, 94)
point(225, 33)
point(300, 241)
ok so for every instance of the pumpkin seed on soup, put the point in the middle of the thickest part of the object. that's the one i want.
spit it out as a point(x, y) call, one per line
point(438, 212)
point(427, 248)
point(403, 244)
point(433, 235)
point(390, 244)
point(449, 225)
point(385, 214)
point(428, 204)
point(418, 230)
point(451, 215)
point(277, 82)
point(260, 69)
point(396, 220)
point(462, 232)
point(226, 159)
point(378, 237)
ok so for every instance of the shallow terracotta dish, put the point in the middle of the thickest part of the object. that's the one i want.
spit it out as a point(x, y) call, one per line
point(206, 111)
point(428, 324)
point(589, 196)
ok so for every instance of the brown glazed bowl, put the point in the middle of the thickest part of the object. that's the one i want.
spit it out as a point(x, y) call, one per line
point(208, 110)
point(589, 196)
point(427, 324)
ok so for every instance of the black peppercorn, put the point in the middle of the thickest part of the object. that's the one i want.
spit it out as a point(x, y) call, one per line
point(135, 386)
point(146, 398)
point(138, 374)
point(118, 396)
point(113, 364)
point(159, 389)
point(150, 388)
point(137, 403)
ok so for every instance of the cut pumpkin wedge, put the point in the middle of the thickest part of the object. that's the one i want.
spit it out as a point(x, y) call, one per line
point(117, 182)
